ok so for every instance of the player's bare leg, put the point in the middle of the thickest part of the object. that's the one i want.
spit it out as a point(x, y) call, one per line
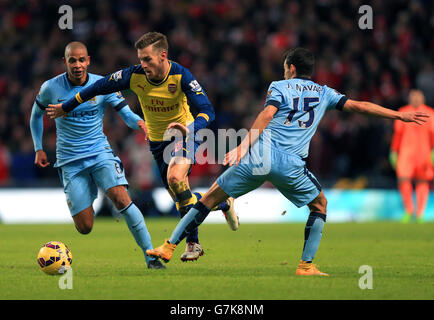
point(177, 180)
point(319, 204)
point(119, 196)
point(135, 221)
point(189, 222)
point(312, 236)
point(214, 196)
point(179, 188)
point(226, 206)
point(84, 220)
point(228, 210)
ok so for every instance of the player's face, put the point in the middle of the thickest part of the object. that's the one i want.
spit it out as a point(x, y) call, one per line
point(152, 61)
point(76, 62)
point(416, 98)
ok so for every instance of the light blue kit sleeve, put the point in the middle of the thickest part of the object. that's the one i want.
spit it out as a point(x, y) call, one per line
point(111, 83)
point(36, 119)
point(117, 102)
point(274, 96)
point(129, 117)
point(335, 100)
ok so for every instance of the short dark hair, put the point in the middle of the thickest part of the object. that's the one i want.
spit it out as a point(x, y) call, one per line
point(157, 39)
point(302, 59)
point(74, 45)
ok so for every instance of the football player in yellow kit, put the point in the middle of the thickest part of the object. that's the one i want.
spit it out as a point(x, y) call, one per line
point(165, 90)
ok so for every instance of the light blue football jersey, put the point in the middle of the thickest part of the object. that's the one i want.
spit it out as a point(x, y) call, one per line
point(80, 134)
point(302, 104)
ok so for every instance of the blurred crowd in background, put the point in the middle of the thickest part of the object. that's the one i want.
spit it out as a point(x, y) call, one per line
point(235, 49)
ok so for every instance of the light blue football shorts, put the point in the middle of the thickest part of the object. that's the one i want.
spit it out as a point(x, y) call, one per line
point(81, 179)
point(288, 173)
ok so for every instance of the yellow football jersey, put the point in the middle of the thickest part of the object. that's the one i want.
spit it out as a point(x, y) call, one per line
point(161, 103)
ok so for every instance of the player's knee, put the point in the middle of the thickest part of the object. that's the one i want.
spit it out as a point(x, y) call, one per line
point(84, 228)
point(84, 220)
point(174, 178)
point(121, 202)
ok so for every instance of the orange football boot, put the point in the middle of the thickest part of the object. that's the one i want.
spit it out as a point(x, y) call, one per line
point(163, 252)
point(308, 269)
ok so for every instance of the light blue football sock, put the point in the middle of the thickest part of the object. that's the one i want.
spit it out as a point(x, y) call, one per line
point(312, 235)
point(136, 224)
point(193, 236)
point(189, 222)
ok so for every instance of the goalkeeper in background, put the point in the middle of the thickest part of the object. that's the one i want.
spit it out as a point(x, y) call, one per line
point(412, 156)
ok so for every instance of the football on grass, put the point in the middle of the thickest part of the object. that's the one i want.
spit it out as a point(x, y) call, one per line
point(54, 258)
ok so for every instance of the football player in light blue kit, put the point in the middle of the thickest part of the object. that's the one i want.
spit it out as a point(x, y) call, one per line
point(85, 159)
point(293, 110)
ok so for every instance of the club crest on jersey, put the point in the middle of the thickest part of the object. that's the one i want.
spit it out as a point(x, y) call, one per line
point(116, 76)
point(178, 146)
point(92, 101)
point(172, 88)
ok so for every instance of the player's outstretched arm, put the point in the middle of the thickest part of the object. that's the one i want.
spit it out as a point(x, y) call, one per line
point(234, 156)
point(379, 111)
point(114, 82)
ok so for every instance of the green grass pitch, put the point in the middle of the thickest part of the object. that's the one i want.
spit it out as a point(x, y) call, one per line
point(256, 262)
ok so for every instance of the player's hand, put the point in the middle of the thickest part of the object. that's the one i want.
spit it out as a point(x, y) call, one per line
point(55, 111)
point(41, 159)
point(232, 157)
point(174, 126)
point(143, 128)
point(417, 116)
point(235, 155)
point(393, 159)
